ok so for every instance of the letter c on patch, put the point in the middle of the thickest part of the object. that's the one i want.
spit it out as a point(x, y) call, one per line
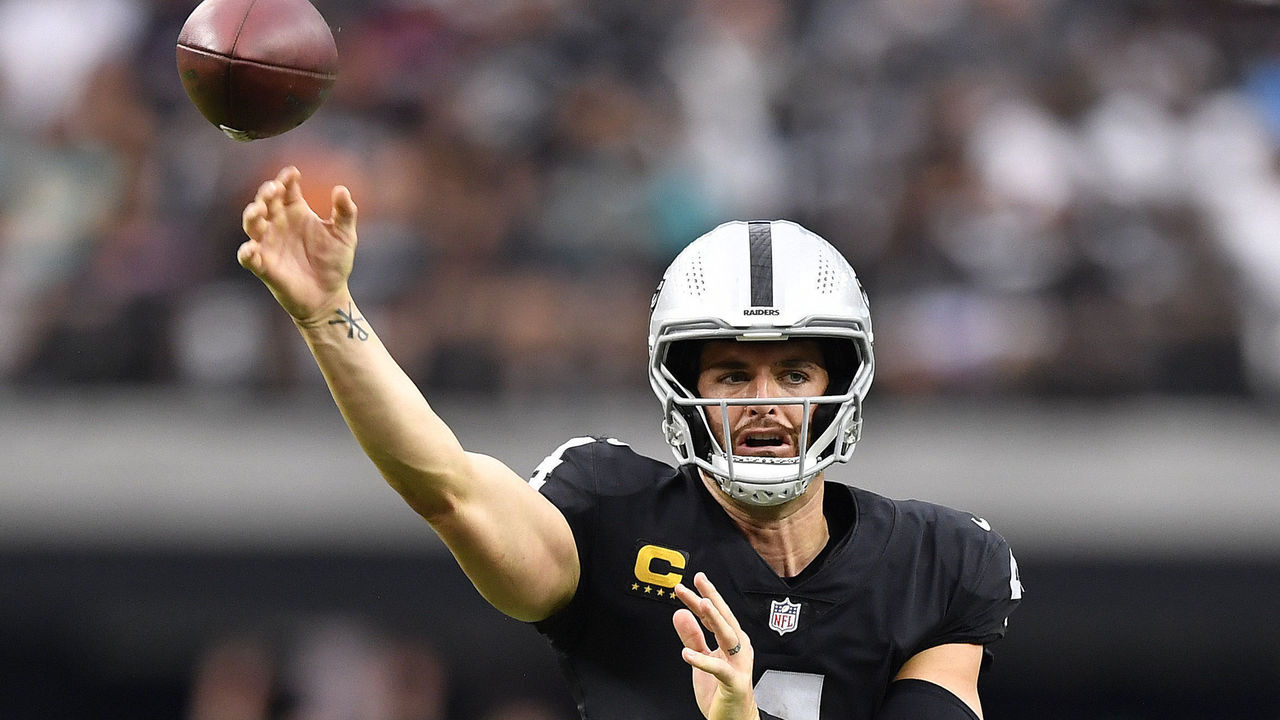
point(650, 556)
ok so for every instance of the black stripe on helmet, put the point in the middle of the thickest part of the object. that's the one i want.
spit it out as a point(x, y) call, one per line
point(760, 240)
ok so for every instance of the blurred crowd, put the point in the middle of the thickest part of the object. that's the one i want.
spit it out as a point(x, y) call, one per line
point(1043, 197)
point(341, 669)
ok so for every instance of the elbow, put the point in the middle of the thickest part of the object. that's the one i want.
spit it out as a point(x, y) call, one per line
point(433, 507)
point(434, 494)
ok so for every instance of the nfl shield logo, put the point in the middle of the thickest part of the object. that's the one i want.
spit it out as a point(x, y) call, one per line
point(784, 615)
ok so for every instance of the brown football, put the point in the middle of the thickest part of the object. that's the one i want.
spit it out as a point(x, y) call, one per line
point(257, 68)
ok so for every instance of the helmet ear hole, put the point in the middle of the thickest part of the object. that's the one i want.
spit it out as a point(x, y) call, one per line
point(823, 416)
point(682, 361)
point(697, 431)
point(841, 359)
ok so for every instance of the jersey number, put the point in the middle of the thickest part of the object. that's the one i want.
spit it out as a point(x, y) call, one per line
point(790, 695)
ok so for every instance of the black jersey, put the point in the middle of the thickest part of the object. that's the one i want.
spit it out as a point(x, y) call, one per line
point(904, 577)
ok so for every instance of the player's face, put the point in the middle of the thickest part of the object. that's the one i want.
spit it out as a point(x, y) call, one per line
point(777, 369)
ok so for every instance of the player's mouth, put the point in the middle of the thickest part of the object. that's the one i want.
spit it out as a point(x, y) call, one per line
point(770, 442)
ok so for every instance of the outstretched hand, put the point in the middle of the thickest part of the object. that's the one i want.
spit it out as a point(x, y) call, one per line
point(305, 260)
point(721, 677)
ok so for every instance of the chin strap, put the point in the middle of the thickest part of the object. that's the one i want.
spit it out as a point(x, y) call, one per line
point(763, 495)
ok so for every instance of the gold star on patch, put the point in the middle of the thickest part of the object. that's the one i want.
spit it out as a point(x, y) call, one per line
point(647, 589)
point(635, 586)
point(660, 593)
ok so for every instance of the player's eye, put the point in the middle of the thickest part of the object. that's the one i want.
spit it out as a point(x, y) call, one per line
point(795, 377)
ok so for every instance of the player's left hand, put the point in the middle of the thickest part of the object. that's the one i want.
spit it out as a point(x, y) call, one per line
point(721, 677)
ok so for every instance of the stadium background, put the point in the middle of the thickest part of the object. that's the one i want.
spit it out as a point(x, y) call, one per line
point(1064, 211)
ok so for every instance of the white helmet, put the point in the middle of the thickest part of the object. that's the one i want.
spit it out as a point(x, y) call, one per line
point(760, 281)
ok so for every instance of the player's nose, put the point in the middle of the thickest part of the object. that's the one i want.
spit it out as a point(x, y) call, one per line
point(763, 386)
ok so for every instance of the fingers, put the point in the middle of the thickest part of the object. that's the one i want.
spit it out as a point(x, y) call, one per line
point(690, 631)
point(249, 258)
point(715, 615)
point(266, 204)
point(280, 214)
point(289, 178)
point(696, 651)
point(708, 590)
point(270, 201)
point(251, 217)
point(710, 664)
point(274, 194)
point(285, 189)
point(344, 210)
point(686, 596)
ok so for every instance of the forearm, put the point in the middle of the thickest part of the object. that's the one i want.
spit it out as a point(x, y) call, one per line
point(514, 545)
point(413, 449)
point(511, 541)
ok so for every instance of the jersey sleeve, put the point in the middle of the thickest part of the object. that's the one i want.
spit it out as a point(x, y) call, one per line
point(568, 478)
point(987, 589)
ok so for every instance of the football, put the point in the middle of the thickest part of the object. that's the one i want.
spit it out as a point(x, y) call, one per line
point(257, 68)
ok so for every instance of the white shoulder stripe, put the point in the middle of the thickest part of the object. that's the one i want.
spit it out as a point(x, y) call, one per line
point(1015, 582)
point(552, 461)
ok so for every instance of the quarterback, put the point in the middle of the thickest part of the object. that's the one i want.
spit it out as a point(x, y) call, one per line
point(845, 605)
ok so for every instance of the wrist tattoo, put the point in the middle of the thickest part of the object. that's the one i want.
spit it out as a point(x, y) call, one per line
point(354, 328)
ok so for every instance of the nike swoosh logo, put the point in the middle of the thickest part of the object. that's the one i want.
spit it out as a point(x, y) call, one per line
point(982, 524)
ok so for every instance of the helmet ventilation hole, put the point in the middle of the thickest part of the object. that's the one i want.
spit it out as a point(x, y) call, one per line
point(694, 277)
point(829, 281)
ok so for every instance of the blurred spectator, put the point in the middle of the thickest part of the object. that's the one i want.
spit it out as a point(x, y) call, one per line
point(341, 670)
point(48, 53)
point(106, 318)
point(522, 709)
point(234, 680)
point(1043, 196)
point(333, 669)
point(728, 63)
